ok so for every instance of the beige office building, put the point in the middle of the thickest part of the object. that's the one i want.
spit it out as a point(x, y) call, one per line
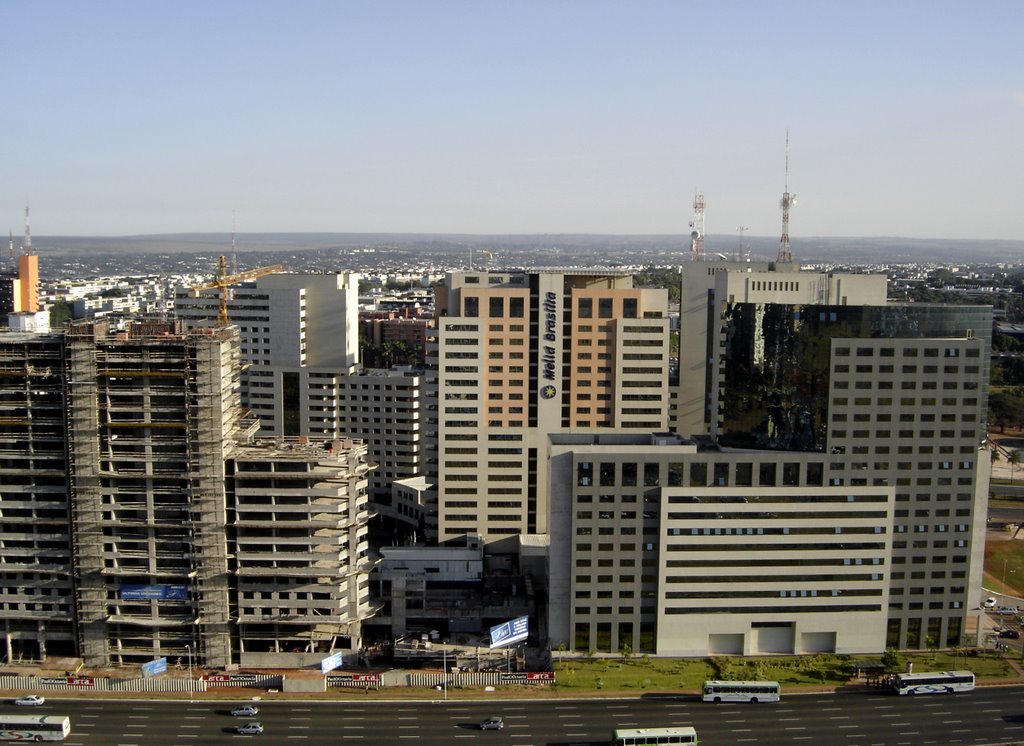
point(523, 355)
point(661, 548)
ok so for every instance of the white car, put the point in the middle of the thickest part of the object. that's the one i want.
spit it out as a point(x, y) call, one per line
point(30, 700)
point(250, 729)
point(990, 602)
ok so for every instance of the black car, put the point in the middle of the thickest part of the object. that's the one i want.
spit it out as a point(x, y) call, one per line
point(1010, 634)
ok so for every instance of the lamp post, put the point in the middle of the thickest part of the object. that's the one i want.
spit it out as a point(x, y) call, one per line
point(444, 652)
point(188, 650)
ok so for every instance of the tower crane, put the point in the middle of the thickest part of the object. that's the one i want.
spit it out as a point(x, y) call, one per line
point(223, 281)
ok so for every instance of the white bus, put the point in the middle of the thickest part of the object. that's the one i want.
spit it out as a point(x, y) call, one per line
point(933, 682)
point(650, 736)
point(34, 727)
point(741, 691)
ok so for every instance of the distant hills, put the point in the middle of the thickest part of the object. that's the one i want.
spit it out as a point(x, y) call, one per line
point(539, 249)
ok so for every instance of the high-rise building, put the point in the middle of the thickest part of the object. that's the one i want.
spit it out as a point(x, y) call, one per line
point(37, 604)
point(826, 493)
point(143, 518)
point(521, 356)
point(300, 349)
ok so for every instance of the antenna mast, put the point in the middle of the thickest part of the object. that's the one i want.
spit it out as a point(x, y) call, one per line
point(739, 251)
point(27, 248)
point(788, 200)
point(697, 229)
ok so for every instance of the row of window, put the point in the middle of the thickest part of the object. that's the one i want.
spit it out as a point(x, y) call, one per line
point(949, 352)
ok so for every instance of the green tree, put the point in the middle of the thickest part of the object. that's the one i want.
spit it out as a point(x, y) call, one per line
point(60, 312)
point(1013, 459)
point(891, 660)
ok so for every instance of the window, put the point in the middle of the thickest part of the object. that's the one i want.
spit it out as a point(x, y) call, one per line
point(585, 308)
point(604, 308)
point(496, 307)
point(471, 307)
point(629, 308)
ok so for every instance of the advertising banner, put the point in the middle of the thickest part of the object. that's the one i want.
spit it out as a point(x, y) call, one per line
point(331, 662)
point(511, 632)
point(154, 592)
point(152, 668)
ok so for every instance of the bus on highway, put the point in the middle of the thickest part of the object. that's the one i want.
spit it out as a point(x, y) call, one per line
point(741, 691)
point(933, 682)
point(651, 736)
point(34, 727)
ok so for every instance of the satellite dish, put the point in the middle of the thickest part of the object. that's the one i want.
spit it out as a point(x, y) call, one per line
point(695, 235)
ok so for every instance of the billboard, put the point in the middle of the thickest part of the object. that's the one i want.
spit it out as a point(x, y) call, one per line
point(154, 667)
point(331, 662)
point(154, 592)
point(511, 632)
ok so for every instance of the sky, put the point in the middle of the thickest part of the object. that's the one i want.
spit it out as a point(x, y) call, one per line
point(493, 117)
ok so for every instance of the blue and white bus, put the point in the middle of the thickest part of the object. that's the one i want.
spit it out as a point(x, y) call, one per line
point(654, 736)
point(34, 727)
point(741, 691)
point(933, 682)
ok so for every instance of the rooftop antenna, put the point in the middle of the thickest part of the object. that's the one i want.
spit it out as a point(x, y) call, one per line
point(10, 245)
point(788, 200)
point(739, 251)
point(27, 248)
point(697, 229)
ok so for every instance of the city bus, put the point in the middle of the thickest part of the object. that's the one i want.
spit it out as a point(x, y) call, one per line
point(34, 727)
point(741, 691)
point(650, 736)
point(933, 682)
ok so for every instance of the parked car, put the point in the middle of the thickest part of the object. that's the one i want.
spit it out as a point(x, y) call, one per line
point(492, 724)
point(245, 711)
point(249, 729)
point(990, 602)
point(30, 700)
point(1007, 610)
point(1010, 634)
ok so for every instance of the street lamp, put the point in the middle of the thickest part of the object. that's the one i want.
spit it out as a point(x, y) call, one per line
point(188, 650)
point(444, 682)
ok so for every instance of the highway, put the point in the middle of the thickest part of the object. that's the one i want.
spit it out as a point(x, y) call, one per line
point(989, 715)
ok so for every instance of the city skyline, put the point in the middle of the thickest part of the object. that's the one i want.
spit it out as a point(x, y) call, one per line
point(453, 117)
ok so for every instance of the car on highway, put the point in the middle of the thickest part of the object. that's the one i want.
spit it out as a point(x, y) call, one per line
point(492, 724)
point(1010, 634)
point(245, 711)
point(249, 729)
point(30, 700)
point(990, 602)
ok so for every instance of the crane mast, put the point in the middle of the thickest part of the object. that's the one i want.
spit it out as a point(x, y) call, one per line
point(224, 280)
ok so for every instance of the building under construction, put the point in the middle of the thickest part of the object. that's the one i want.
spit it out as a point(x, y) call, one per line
point(36, 589)
point(127, 533)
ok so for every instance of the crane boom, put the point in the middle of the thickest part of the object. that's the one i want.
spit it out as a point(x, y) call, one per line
point(223, 281)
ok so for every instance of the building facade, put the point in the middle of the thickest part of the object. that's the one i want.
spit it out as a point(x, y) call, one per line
point(142, 519)
point(520, 356)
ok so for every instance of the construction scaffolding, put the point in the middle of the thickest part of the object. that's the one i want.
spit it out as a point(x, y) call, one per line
point(213, 412)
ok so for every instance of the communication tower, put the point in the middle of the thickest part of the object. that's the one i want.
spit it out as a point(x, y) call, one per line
point(788, 200)
point(697, 229)
point(27, 248)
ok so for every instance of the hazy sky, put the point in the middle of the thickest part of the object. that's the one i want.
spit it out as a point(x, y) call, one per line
point(486, 116)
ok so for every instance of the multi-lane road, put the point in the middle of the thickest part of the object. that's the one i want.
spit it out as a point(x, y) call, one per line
point(989, 715)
